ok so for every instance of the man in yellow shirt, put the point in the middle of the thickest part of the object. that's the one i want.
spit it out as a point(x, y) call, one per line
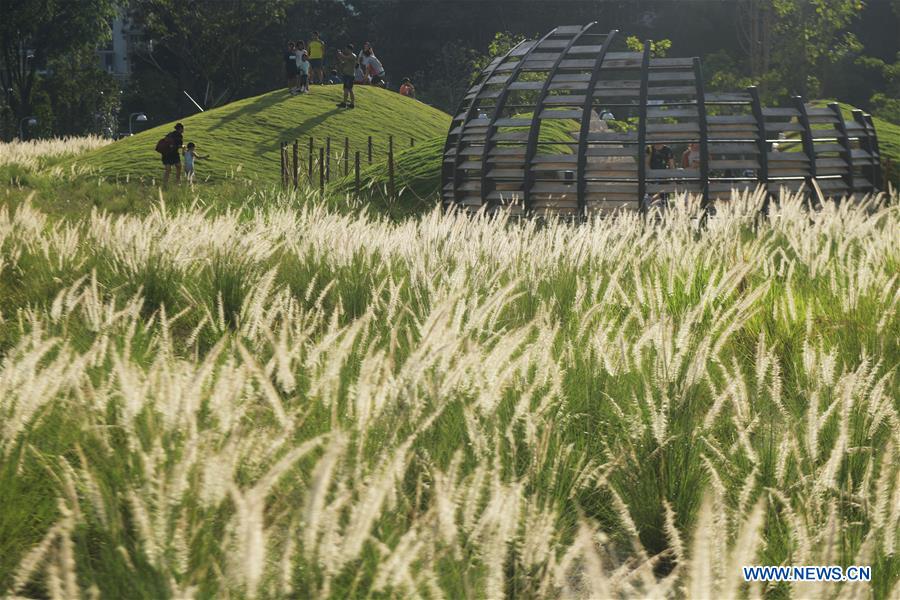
point(316, 56)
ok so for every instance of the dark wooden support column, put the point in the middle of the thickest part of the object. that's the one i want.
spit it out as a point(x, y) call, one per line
point(642, 127)
point(844, 141)
point(534, 130)
point(762, 145)
point(808, 147)
point(704, 133)
point(877, 181)
point(498, 110)
point(586, 121)
point(865, 143)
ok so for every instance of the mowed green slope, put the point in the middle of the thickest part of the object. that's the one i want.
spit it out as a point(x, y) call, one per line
point(242, 138)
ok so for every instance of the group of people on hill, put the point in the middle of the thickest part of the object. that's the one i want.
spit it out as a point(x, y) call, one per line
point(171, 149)
point(305, 65)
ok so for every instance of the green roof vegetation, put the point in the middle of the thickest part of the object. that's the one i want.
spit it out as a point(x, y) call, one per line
point(417, 170)
point(242, 138)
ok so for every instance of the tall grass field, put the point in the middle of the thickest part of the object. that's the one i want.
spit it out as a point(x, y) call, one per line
point(284, 398)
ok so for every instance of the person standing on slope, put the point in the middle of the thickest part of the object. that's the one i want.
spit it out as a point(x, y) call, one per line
point(347, 68)
point(316, 58)
point(290, 66)
point(171, 153)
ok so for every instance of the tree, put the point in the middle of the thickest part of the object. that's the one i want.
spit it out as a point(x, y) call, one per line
point(35, 32)
point(788, 43)
point(207, 46)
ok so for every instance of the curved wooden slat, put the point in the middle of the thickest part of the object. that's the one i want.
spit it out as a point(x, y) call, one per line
point(704, 135)
point(581, 184)
point(498, 110)
point(844, 141)
point(484, 76)
point(642, 127)
point(535, 127)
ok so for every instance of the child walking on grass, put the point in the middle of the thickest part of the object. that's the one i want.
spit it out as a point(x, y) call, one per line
point(190, 155)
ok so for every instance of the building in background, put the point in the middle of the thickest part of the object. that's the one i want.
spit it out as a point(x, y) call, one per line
point(114, 57)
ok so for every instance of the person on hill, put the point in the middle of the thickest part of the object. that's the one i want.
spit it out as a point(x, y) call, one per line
point(690, 158)
point(304, 74)
point(316, 58)
point(190, 155)
point(334, 78)
point(290, 66)
point(360, 77)
point(299, 53)
point(407, 88)
point(660, 156)
point(372, 65)
point(171, 153)
point(347, 66)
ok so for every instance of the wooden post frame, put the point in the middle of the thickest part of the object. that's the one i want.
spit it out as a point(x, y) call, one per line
point(806, 136)
point(704, 133)
point(498, 110)
point(466, 116)
point(295, 164)
point(642, 128)
point(585, 130)
point(844, 140)
point(322, 169)
point(356, 172)
point(327, 159)
point(283, 165)
point(370, 149)
point(392, 191)
point(346, 156)
point(534, 129)
point(311, 150)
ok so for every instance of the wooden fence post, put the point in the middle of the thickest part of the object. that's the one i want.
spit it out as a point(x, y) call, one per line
point(296, 164)
point(328, 159)
point(391, 189)
point(346, 156)
point(322, 169)
point(356, 172)
point(283, 166)
point(412, 142)
point(391, 145)
point(311, 149)
point(370, 149)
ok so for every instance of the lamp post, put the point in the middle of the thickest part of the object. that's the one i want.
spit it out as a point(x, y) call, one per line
point(30, 121)
point(137, 116)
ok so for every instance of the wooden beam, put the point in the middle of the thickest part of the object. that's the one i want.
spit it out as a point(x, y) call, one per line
point(642, 127)
point(704, 136)
point(581, 184)
point(844, 141)
point(498, 110)
point(534, 130)
point(762, 146)
point(484, 75)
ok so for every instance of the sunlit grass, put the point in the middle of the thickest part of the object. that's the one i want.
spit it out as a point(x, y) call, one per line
point(276, 401)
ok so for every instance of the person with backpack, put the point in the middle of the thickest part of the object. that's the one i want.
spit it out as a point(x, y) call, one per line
point(169, 148)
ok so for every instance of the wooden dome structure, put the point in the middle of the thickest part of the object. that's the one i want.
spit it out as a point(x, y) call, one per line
point(608, 106)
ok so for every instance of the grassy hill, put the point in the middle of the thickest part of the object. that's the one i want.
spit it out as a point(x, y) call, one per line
point(242, 138)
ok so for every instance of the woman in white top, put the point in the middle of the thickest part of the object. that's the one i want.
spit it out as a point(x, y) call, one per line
point(373, 66)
